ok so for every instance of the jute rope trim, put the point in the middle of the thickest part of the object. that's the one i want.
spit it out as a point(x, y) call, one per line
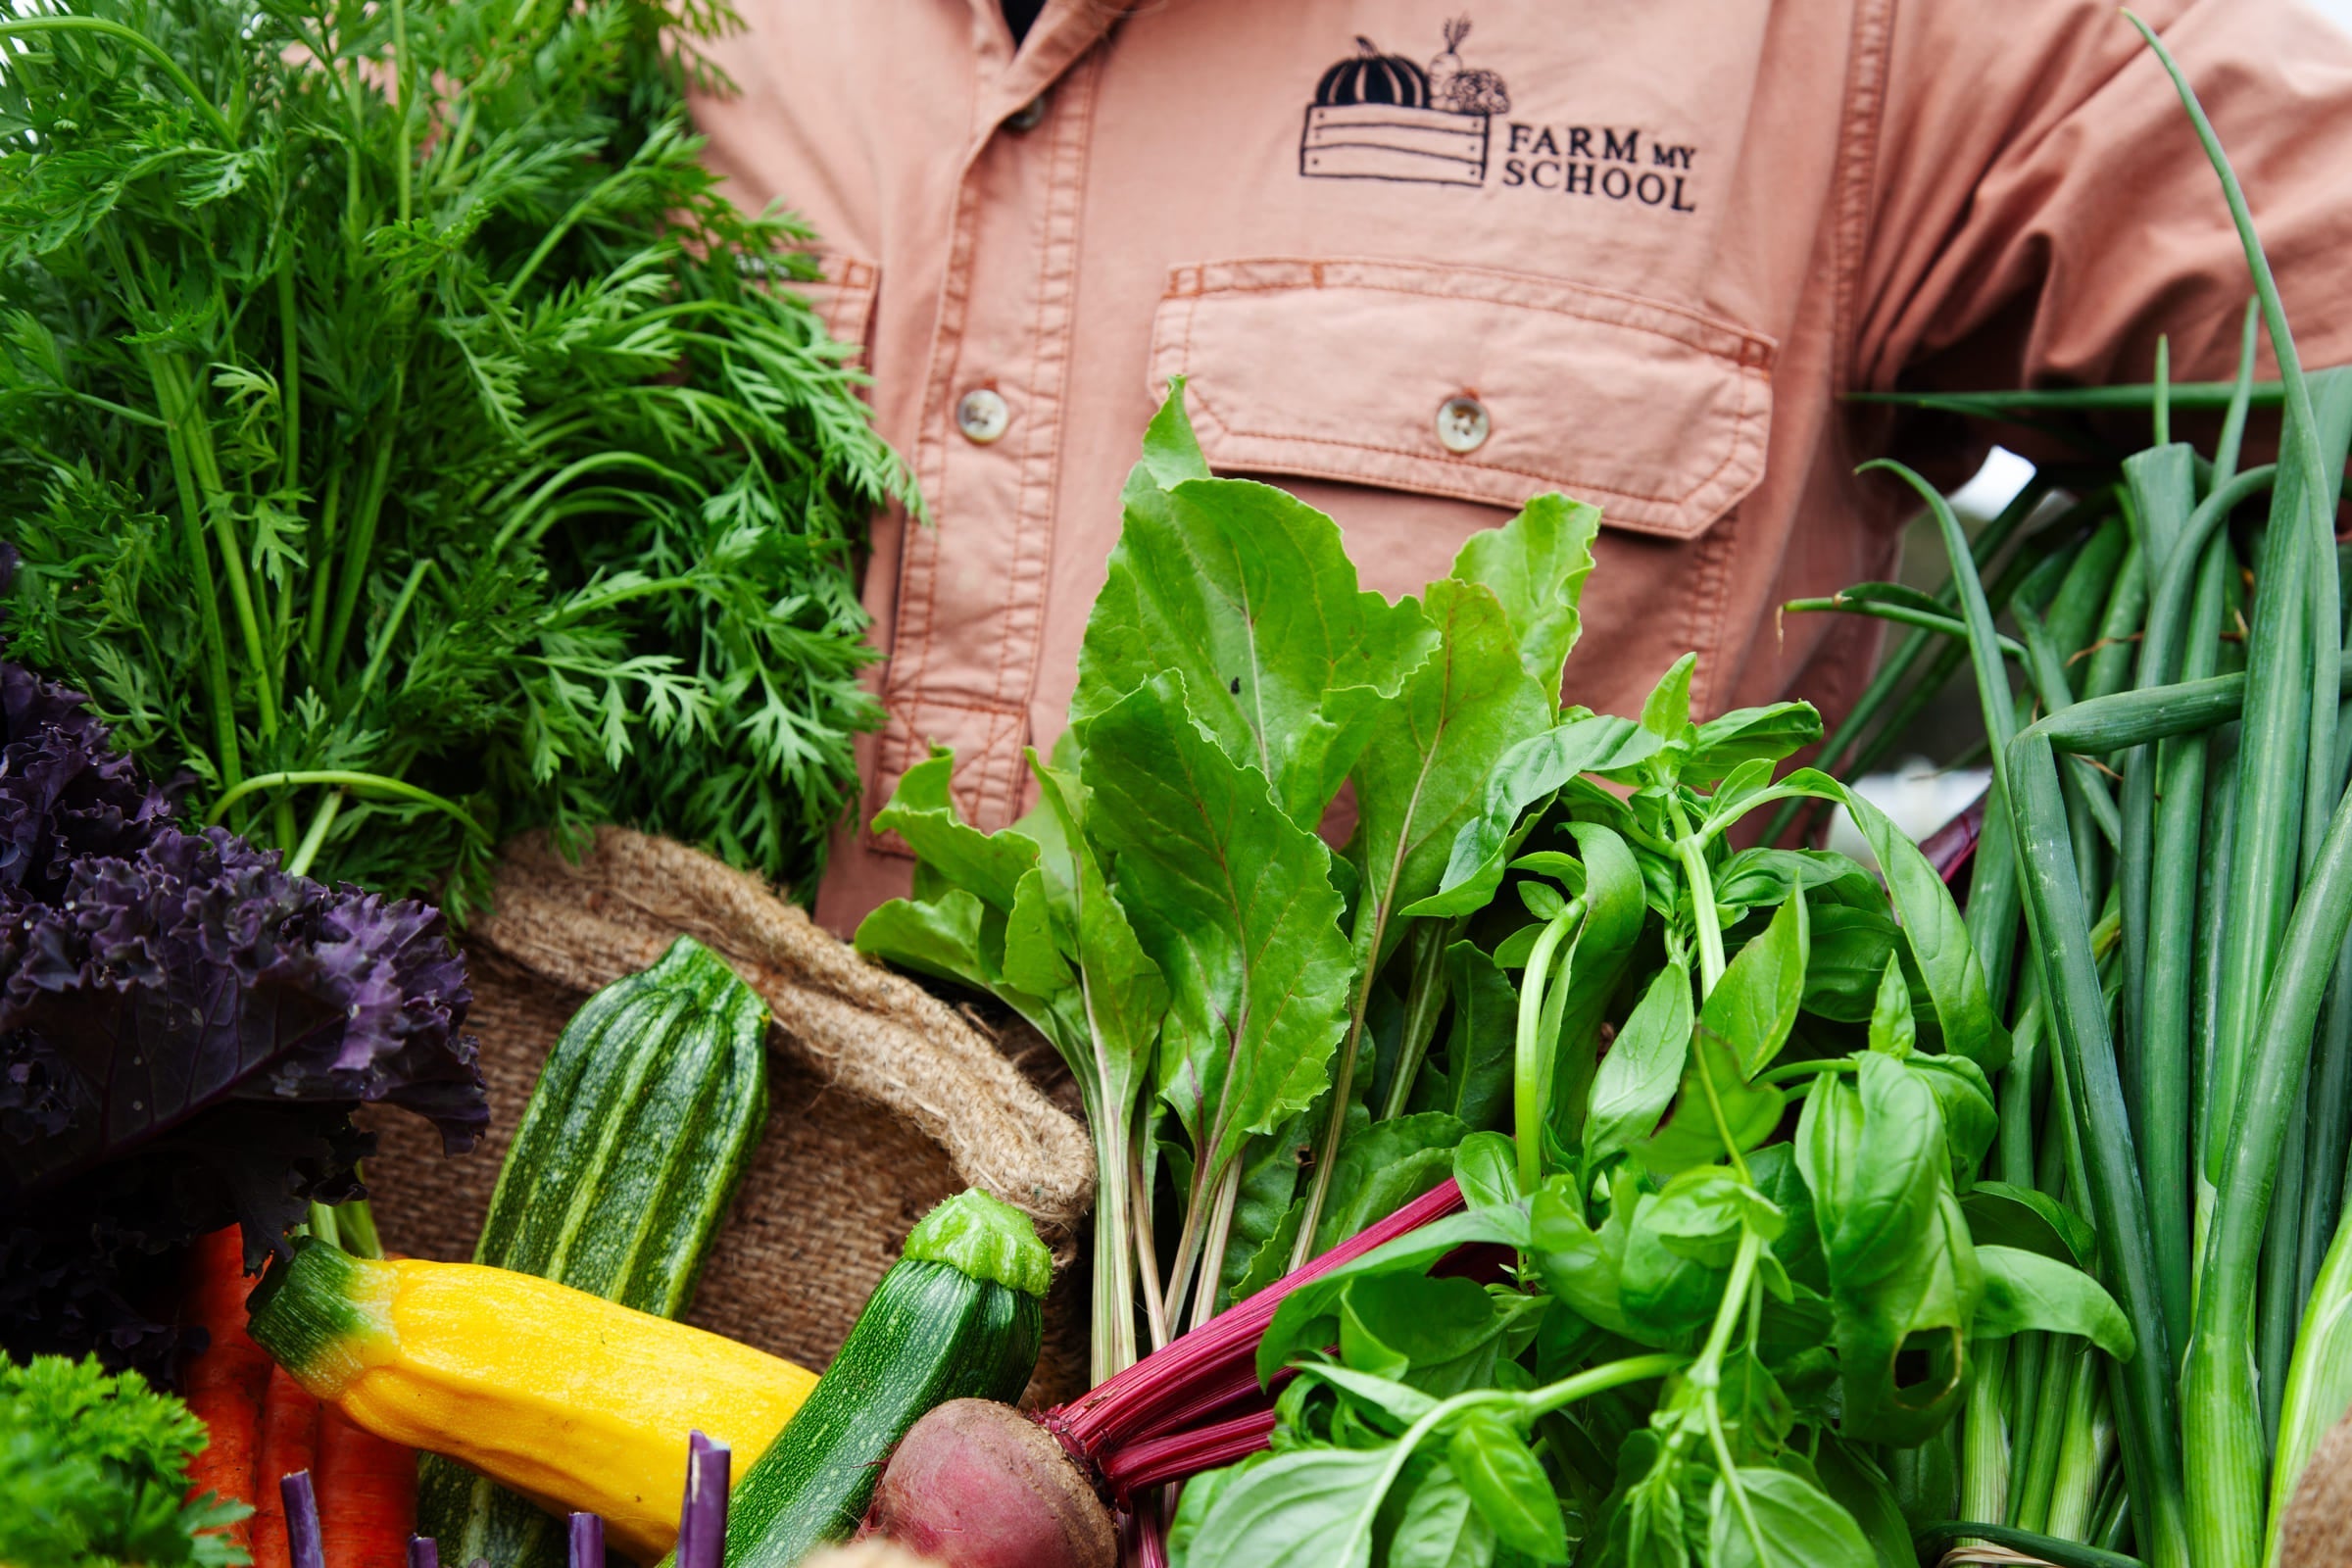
point(875, 1033)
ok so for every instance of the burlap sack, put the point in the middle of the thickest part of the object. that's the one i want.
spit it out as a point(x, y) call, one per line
point(2318, 1532)
point(882, 1099)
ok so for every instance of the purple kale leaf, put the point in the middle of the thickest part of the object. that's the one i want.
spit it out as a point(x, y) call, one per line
point(185, 1031)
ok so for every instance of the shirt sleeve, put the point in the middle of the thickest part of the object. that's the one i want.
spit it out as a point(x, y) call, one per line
point(2039, 208)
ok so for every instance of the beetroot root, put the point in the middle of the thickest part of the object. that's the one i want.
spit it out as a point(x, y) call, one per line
point(978, 1484)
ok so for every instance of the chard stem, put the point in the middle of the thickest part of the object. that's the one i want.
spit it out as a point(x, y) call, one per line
point(1212, 1249)
point(1422, 1005)
point(1112, 1342)
point(1147, 1253)
point(1527, 1086)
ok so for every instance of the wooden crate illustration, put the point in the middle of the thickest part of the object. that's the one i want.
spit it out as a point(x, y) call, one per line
point(1389, 141)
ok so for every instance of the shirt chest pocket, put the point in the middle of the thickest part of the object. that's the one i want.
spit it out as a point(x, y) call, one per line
point(1482, 385)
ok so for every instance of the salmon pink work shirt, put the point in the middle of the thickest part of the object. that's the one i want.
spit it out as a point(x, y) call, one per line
point(1417, 260)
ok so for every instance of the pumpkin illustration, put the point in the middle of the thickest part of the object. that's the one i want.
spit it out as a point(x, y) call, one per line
point(1369, 76)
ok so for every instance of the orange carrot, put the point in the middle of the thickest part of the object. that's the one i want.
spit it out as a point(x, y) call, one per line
point(366, 1495)
point(226, 1382)
point(289, 1443)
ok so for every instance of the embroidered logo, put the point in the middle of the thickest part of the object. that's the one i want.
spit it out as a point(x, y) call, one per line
point(1379, 116)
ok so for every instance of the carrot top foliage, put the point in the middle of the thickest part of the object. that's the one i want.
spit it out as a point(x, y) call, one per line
point(400, 436)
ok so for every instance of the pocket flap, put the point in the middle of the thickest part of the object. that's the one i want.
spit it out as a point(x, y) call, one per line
point(1356, 370)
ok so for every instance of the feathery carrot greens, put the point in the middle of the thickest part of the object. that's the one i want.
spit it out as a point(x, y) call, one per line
point(401, 435)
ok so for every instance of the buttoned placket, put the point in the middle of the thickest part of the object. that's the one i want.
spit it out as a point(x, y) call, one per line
point(993, 404)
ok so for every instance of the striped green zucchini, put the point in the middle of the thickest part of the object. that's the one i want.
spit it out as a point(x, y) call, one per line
point(634, 1141)
point(960, 1316)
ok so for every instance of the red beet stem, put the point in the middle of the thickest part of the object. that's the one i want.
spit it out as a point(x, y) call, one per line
point(1210, 1367)
point(1147, 1464)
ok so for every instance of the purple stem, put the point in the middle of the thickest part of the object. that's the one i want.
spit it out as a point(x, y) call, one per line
point(1153, 1460)
point(423, 1553)
point(302, 1520)
point(1216, 1362)
point(703, 1517)
point(587, 1540)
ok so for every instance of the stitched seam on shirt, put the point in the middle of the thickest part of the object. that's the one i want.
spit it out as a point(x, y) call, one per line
point(1710, 605)
point(919, 557)
point(1746, 416)
point(1200, 288)
point(1867, 69)
point(1095, 65)
point(1032, 507)
point(1762, 345)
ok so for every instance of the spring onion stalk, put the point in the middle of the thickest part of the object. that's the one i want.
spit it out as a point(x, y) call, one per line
point(2277, 1301)
point(1897, 668)
point(2090, 1443)
point(2061, 935)
point(2053, 1430)
point(2165, 1108)
point(301, 1501)
point(2324, 1162)
point(1984, 1449)
point(2112, 651)
point(2224, 1422)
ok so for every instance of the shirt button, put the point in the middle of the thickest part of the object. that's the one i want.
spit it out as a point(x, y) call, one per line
point(982, 416)
point(1028, 115)
point(1462, 425)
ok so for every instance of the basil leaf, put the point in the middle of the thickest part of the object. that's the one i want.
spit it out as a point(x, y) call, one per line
point(1312, 1508)
point(1856, 1484)
point(1796, 1524)
point(1485, 1167)
point(1893, 1033)
point(2027, 1291)
point(1750, 735)
point(2002, 1215)
point(1507, 1482)
point(1754, 1007)
point(1443, 1336)
point(1850, 949)
point(1637, 1079)
point(1666, 713)
point(1692, 1135)
point(1938, 938)
point(1440, 1527)
point(1300, 1323)
point(1480, 1045)
point(1532, 771)
point(1583, 1266)
point(1899, 1260)
point(1750, 879)
point(1401, 1402)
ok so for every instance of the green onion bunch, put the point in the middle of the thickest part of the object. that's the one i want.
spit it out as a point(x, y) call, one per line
point(2161, 898)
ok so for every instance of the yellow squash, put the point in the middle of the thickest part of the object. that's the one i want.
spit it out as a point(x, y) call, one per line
point(576, 1402)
